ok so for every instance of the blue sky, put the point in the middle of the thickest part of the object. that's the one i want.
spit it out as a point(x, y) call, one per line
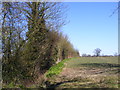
point(90, 26)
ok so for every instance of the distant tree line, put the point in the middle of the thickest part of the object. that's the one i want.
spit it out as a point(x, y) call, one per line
point(88, 55)
point(97, 52)
point(31, 39)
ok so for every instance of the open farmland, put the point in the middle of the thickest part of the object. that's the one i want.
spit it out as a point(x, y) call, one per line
point(88, 72)
point(94, 62)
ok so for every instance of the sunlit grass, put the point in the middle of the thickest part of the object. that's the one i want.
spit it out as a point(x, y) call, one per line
point(83, 61)
point(56, 69)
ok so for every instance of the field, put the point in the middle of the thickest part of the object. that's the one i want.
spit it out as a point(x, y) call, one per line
point(87, 72)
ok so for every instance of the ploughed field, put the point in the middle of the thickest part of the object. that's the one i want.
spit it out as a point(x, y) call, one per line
point(88, 72)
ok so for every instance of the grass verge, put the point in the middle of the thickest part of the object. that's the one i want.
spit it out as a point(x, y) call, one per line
point(56, 69)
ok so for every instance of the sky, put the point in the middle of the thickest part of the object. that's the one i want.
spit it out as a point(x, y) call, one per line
point(90, 26)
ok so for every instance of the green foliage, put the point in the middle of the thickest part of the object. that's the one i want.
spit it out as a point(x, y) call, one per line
point(22, 86)
point(11, 85)
point(56, 69)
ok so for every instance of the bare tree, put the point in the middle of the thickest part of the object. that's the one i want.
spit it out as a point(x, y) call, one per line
point(97, 52)
point(84, 55)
